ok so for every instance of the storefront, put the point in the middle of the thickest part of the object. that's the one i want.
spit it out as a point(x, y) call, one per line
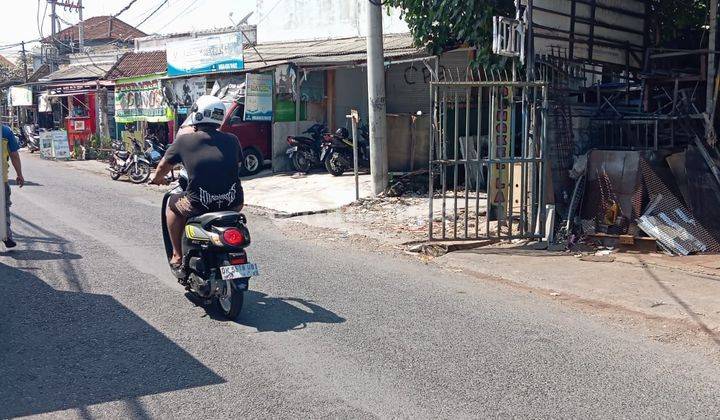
point(79, 109)
point(141, 109)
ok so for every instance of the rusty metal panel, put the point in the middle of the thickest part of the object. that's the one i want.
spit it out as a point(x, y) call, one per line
point(604, 31)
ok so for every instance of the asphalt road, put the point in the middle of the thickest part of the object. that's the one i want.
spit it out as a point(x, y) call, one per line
point(92, 324)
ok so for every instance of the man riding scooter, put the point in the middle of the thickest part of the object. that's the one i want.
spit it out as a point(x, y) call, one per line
point(211, 159)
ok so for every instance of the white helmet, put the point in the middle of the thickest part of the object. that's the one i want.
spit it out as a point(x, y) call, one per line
point(207, 109)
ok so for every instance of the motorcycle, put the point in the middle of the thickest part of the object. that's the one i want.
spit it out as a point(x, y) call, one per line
point(215, 265)
point(154, 150)
point(29, 137)
point(123, 162)
point(304, 152)
point(337, 151)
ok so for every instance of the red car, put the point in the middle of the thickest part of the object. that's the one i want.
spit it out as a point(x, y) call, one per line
point(255, 137)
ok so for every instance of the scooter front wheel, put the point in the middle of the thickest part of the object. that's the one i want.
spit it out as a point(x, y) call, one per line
point(230, 302)
point(334, 166)
point(140, 172)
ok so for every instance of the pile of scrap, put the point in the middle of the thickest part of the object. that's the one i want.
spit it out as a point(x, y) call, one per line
point(639, 200)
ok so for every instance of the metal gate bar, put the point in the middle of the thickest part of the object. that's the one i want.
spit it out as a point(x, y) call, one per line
point(515, 154)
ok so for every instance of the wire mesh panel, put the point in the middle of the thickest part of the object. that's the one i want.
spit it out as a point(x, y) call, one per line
point(486, 156)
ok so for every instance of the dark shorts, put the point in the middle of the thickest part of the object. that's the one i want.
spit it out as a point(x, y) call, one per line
point(183, 206)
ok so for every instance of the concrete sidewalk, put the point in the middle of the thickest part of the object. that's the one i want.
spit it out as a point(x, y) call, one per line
point(286, 195)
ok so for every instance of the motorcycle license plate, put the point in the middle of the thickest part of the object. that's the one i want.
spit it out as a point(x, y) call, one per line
point(291, 150)
point(232, 272)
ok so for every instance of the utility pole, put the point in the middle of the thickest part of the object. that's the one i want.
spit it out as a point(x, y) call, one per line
point(81, 27)
point(24, 62)
point(376, 99)
point(53, 19)
point(709, 96)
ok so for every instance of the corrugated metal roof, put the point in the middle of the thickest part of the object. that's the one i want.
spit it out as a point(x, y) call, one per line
point(327, 52)
point(97, 71)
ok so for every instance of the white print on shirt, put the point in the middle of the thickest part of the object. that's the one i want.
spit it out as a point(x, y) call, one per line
point(206, 199)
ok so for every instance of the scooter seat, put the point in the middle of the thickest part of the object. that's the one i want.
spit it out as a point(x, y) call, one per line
point(218, 218)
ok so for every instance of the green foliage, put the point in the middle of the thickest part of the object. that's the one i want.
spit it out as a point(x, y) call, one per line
point(442, 24)
point(674, 20)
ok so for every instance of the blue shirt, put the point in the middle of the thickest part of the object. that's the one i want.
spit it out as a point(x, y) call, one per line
point(9, 145)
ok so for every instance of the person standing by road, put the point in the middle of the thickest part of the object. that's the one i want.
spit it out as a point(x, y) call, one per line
point(10, 147)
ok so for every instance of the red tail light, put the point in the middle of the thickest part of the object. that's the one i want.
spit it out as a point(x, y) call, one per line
point(238, 259)
point(291, 141)
point(233, 237)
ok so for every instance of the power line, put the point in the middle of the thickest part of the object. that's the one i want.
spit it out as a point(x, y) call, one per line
point(192, 4)
point(151, 14)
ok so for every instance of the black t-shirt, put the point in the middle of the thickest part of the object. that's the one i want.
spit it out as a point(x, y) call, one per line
point(211, 159)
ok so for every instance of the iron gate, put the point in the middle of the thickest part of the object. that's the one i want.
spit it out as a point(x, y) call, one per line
point(492, 180)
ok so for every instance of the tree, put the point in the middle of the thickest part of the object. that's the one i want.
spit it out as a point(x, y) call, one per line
point(443, 24)
point(676, 21)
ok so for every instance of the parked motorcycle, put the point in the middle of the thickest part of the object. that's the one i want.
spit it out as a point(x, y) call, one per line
point(132, 164)
point(29, 137)
point(215, 265)
point(337, 151)
point(154, 150)
point(304, 151)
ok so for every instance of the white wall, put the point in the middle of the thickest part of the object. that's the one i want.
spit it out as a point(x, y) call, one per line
point(286, 20)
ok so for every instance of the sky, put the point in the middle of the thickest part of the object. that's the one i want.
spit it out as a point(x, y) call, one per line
point(22, 23)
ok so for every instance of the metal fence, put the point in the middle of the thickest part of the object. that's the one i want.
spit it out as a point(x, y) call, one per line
point(487, 155)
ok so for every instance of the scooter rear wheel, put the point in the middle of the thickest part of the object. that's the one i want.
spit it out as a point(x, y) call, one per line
point(231, 301)
point(301, 162)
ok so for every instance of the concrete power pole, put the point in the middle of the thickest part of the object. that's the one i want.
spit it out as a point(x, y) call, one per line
point(24, 62)
point(710, 91)
point(53, 19)
point(81, 27)
point(376, 99)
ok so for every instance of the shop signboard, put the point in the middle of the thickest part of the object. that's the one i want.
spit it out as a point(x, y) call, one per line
point(20, 96)
point(205, 54)
point(60, 146)
point(141, 99)
point(46, 141)
point(54, 145)
point(259, 97)
point(499, 184)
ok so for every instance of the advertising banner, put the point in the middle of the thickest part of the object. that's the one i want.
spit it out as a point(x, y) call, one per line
point(20, 96)
point(205, 54)
point(141, 99)
point(44, 104)
point(184, 92)
point(259, 97)
point(500, 137)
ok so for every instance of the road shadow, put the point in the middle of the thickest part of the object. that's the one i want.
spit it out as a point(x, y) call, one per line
point(69, 350)
point(521, 251)
point(275, 314)
point(27, 183)
point(38, 255)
